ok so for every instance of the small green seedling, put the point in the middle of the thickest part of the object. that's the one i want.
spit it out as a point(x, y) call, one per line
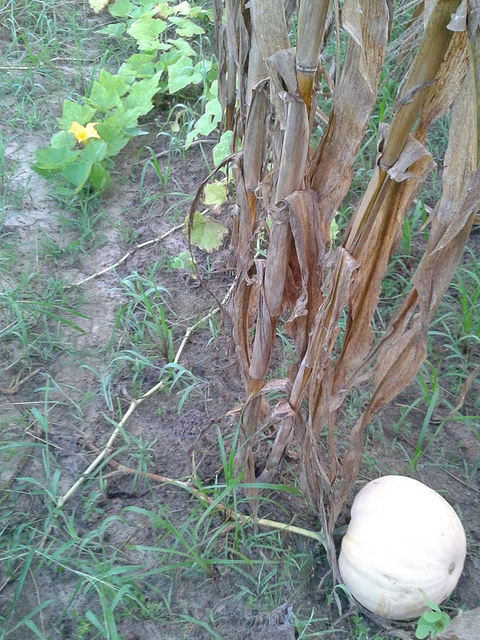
point(431, 622)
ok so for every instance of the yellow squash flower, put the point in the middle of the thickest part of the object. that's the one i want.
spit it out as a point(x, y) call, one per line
point(83, 134)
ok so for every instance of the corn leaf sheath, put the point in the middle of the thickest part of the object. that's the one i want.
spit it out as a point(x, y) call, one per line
point(299, 189)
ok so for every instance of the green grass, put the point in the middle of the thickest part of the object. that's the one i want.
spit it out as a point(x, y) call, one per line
point(119, 582)
point(33, 311)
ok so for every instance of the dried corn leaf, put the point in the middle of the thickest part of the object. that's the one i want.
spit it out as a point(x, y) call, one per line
point(264, 339)
point(269, 23)
point(291, 172)
point(238, 43)
point(257, 69)
point(311, 238)
point(400, 353)
point(255, 418)
point(316, 369)
point(244, 225)
point(412, 95)
point(301, 196)
point(373, 245)
point(464, 626)
point(243, 310)
point(330, 173)
point(459, 18)
point(292, 167)
point(281, 66)
point(447, 84)
point(253, 145)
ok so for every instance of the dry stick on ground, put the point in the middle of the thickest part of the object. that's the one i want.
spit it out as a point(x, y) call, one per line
point(135, 403)
point(17, 383)
point(234, 515)
point(129, 253)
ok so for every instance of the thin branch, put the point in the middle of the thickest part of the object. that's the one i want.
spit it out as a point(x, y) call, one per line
point(129, 253)
point(195, 326)
point(234, 515)
point(17, 383)
point(135, 403)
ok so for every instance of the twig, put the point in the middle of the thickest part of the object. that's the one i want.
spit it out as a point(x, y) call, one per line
point(195, 326)
point(135, 403)
point(73, 489)
point(464, 389)
point(14, 387)
point(234, 515)
point(129, 253)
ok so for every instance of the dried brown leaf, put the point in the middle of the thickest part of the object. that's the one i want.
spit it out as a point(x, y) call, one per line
point(238, 43)
point(464, 626)
point(372, 243)
point(427, 62)
point(330, 173)
point(448, 82)
point(243, 232)
point(311, 238)
point(286, 417)
point(257, 69)
point(401, 351)
point(243, 309)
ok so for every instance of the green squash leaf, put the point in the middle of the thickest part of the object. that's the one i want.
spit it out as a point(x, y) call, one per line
point(423, 630)
point(52, 159)
point(121, 8)
point(98, 5)
point(182, 46)
point(223, 148)
point(140, 65)
point(169, 57)
point(206, 234)
point(139, 100)
point(102, 98)
point(63, 139)
point(112, 83)
point(113, 30)
point(73, 112)
point(95, 151)
point(163, 10)
point(99, 177)
point(207, 122)
point(215, 194)
point(111, 130)
point(181, 74)
point(146, 30)
point(77, 173)
point(186, 28)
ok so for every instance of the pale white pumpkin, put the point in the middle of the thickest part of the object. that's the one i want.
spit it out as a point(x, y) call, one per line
point(404, 545)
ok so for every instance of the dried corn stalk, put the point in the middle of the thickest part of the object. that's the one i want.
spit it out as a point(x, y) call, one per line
point(293, 190)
